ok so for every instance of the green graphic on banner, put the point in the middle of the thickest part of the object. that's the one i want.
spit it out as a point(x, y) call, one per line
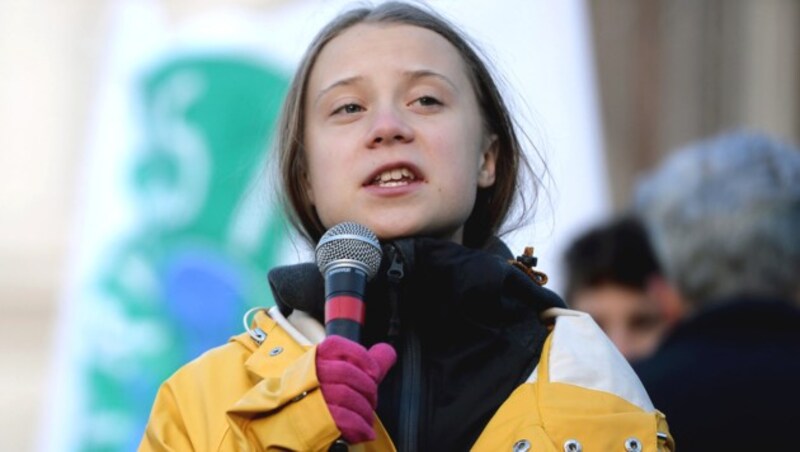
point(205, 235)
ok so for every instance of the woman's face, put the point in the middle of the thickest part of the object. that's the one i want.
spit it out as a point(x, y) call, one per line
point(394, 138)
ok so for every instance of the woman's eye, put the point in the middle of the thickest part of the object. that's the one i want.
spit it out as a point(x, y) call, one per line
point(349, 109)
point(426, 101)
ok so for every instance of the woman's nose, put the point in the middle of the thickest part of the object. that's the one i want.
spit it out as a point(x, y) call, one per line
point(389, 127)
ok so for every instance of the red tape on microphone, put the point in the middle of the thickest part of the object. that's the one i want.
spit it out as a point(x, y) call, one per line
point(345, 307)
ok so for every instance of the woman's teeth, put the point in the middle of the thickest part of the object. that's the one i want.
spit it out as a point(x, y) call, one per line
point(395, 177)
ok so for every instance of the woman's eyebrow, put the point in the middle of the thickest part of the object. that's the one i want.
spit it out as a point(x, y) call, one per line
point(426, 73)
point(343, 82)
point(412, 75)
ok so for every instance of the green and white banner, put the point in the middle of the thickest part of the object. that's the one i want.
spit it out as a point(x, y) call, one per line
point(180, 280)
point(180, 226)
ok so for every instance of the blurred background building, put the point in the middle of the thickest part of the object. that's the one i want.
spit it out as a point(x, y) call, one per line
point(672, 71)
point(661, 73)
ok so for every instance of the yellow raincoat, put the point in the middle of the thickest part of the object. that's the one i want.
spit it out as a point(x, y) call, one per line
point(254, 395)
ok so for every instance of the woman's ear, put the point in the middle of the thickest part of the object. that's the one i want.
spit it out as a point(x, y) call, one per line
point(488, 161)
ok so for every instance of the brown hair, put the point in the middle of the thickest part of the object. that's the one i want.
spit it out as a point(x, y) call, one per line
point(492, 204)
point(617, 252)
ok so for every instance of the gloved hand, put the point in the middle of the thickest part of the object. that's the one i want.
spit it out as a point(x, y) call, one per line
point(348, 376)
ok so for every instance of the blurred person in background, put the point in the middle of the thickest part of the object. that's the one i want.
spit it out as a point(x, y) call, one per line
point(724, 216)
point(613, 274)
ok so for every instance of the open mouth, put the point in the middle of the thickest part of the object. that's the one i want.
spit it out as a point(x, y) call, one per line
point(394, 177)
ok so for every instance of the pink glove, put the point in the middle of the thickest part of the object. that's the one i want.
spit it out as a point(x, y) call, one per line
point(348, 376)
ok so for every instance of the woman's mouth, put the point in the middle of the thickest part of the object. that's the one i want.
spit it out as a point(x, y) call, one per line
point(398, 175)
point(394, 178)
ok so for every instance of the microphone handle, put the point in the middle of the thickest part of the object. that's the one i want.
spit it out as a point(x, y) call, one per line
point(344, 301)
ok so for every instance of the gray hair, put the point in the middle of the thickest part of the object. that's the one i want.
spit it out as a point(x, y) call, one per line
point(724, 214)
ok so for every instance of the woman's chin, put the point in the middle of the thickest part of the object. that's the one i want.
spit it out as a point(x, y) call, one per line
point(386, 234)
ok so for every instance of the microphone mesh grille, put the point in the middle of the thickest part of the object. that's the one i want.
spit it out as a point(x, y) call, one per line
point(350, 241)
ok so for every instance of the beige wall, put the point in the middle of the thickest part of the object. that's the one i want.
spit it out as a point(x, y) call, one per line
point(48, 52)
point(672, 71)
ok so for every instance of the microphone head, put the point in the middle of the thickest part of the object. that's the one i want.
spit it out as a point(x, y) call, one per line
point(349, 244)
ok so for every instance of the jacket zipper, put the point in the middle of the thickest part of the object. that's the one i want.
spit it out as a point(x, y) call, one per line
point(411, 391)
point(411, 377)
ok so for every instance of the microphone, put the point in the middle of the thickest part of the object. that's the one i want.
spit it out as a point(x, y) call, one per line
point(348, 255)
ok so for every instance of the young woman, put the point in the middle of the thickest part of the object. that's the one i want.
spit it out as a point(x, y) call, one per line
point(394, 122)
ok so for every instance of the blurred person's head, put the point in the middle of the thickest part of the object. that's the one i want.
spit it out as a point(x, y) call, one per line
point(614, 276)
point(724, 216)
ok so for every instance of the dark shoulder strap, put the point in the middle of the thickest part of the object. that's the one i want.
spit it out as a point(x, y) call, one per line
point(298, 286)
